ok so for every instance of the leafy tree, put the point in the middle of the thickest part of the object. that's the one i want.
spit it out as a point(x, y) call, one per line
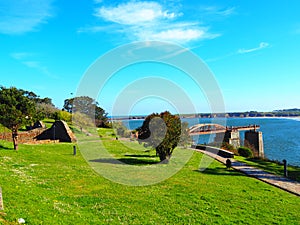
point(81, 120)
point(46, 110)
point(16, 110)
point(162, 132)
point(121, 130)
point(185, 138)
point(87, 106)
point(32, 96)
point(44, 106)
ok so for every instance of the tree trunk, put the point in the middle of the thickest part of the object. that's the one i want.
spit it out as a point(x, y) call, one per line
point(15, 137)
point(164, 157)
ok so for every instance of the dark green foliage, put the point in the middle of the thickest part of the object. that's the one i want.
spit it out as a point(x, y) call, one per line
point(46, 110)
point(228, 147)
point(16, 110)
point(88, 107)
point(245, 152)
point(162, 132)
point(63, 115)
point(121, 130)
point(44, 106)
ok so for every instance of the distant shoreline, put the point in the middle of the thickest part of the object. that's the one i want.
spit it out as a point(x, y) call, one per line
point(205, 116)
point(284, 113)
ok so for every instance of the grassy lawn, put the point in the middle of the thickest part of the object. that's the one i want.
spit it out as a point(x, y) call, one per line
point(272, 167)
point(46, 184)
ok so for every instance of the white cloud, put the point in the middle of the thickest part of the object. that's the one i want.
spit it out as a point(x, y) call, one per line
point(21, 16)
point(20, 55)
point(177, 35)
point(217, 11)
point(28, 59)
point(261, 46)
point(134, 13)
point(149, 20)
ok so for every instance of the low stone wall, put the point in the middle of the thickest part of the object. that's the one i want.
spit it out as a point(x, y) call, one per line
point(23, 136)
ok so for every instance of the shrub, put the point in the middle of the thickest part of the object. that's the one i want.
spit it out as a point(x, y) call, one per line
point(229, 147)
point(63, 115)
point(121, 129)
point(245, 152)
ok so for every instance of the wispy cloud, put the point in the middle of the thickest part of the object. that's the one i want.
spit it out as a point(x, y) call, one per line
point(217, 11)
point(261, 46)
point(21, 16)
point(149, 20)
point(29, 59)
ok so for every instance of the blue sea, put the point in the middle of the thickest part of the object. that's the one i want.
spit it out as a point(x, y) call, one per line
point(281, 136)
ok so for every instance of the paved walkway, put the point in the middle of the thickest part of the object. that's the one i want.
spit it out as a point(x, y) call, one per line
point(275, 180)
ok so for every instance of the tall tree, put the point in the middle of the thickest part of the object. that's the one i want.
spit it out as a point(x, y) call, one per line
point(87, 106)
point(162, 132)
point(16, 110)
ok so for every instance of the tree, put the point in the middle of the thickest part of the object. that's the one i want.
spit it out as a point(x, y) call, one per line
point(46, 110)
point(121, 130)
point(162, 132)
point(185, 138)
point(44, 106)
point(16, 110)
point(87, 106)
point(81, 120)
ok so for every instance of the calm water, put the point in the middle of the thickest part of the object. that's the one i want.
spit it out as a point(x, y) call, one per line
point(281, 136)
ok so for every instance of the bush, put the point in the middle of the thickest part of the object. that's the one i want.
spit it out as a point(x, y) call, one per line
point(121, 130)
point(245, 152)
point(63, 115)
point(229, 147)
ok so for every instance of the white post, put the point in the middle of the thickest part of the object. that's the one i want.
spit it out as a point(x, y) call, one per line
point(1, 200)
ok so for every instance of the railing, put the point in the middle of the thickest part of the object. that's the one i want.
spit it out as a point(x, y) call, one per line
point(215, 128)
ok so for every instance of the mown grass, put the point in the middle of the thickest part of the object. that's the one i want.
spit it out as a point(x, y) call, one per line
point(271, 167)
point(48, 122)
point(46, 184)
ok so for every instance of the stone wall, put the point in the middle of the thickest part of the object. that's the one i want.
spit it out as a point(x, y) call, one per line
point(59, 131)
point(230, 136)
point(254, 140)
point(23, 136)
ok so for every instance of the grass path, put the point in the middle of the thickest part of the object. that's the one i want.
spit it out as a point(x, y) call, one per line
point(46, 184)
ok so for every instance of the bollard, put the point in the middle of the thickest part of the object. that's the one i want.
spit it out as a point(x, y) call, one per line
point(285, 172)
point(1, 200)
point(74, 150)
point(228, 163)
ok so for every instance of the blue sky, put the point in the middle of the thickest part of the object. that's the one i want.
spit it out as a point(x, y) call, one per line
point(251, 47)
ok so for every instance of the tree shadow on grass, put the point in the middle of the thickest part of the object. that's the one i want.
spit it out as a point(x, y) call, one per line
point(137, 161)
point(129, 161)
point(138, 156)
point(2, 147)
point(220, 171)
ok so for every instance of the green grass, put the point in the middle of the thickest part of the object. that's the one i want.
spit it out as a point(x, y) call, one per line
point(46, 184)
point(48, 122)
point(271, 167)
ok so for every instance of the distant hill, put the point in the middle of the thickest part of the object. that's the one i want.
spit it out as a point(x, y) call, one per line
point(287, 110)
